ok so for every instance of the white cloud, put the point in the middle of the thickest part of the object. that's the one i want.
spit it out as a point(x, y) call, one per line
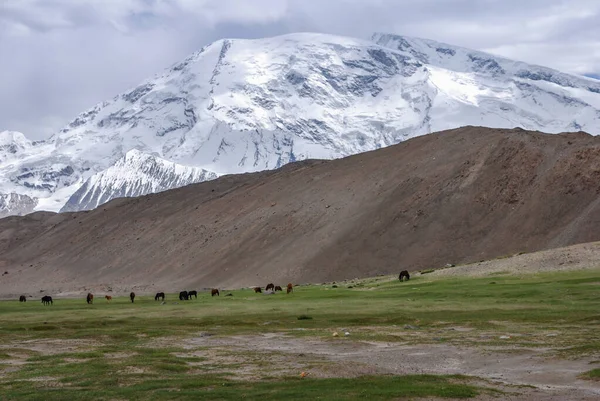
point(60, 57)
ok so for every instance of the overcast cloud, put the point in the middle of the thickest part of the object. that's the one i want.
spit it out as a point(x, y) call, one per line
point(60, 57)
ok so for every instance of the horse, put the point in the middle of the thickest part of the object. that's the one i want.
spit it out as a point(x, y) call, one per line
point(108, 298)
point(90, 298)
point(277, 288)
point(257, 290)
point(47, 300)
point(194, 293)
point(214, 292)
point(159, 295)
point(132, 296)
point(183, 295)
point(22, 298)
point(270, 286)
point(404, 274)
point(290, 288)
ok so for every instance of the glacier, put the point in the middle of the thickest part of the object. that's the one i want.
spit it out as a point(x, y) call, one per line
point(240, 105)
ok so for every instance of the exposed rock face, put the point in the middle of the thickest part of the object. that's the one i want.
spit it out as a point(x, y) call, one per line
point(16, 205)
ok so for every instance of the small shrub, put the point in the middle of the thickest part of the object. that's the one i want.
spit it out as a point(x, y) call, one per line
point(427, 271)
point(304, 317)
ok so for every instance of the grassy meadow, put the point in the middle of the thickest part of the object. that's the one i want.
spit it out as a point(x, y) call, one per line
point(120, 350)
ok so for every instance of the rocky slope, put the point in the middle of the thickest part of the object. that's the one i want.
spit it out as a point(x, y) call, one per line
point(458, 196)
point(249, 105)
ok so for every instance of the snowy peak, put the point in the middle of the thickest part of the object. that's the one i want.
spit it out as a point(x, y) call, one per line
point(136, 174)
point(461, 59)
point(238, 106)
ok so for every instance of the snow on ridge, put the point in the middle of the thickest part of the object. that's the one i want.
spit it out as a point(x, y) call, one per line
point(136, 174)
point(440, 55)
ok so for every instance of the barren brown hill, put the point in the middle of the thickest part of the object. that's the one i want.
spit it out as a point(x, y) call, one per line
point(452, 197)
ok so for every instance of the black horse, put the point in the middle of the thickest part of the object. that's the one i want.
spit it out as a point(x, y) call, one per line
point(159, 295)
point(22, 298)
point(404, 274)
point(184, 296)
point(90, 298)
point(47, 300)
point(194, 293)
point(132, 296)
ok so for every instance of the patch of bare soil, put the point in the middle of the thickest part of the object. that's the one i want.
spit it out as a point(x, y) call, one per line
point(53, 347)
point(524, 373)
point(575, 257)
point(119, 355)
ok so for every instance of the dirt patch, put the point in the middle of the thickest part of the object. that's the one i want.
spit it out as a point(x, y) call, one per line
point(346, 358)
point(576, 257)
point(53, 347)
point(119, 355)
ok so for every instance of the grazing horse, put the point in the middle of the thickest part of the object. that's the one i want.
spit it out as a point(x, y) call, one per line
point(159, 295)
point(108, 298)
point(404, 274)
point(214, 292)
point(270, 286)
point(47, 300)
point(90, 298)
point(194, 293)
point(278, 288)
point(290, 288)
point(257, 290)
point(132, 296)
point(183, 295)
point(22, 298)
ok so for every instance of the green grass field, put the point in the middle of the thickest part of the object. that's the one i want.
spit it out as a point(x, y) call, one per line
point(560, 312)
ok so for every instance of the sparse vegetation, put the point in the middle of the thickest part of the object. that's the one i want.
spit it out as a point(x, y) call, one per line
point(115, 355)
point(593, 374)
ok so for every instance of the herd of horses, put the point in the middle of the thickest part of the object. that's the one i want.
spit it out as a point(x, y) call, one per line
point(183, 295)
point(187, 295)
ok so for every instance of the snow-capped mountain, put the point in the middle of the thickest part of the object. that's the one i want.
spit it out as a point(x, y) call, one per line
point(135, 174)
point(246, 105)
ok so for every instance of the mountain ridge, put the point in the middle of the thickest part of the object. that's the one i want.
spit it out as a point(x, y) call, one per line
point(458, 196)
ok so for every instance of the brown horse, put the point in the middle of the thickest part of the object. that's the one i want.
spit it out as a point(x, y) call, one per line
point(290, 288)
point(22, 298)
point(257, 290)
point(108, 298)
point(214, 292)
point(90, 298)
point(132, 296)
point(404, 274)
point(270, 286)
point(278, 288)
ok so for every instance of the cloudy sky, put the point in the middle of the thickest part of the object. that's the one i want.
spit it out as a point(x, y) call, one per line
point(60, 57)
